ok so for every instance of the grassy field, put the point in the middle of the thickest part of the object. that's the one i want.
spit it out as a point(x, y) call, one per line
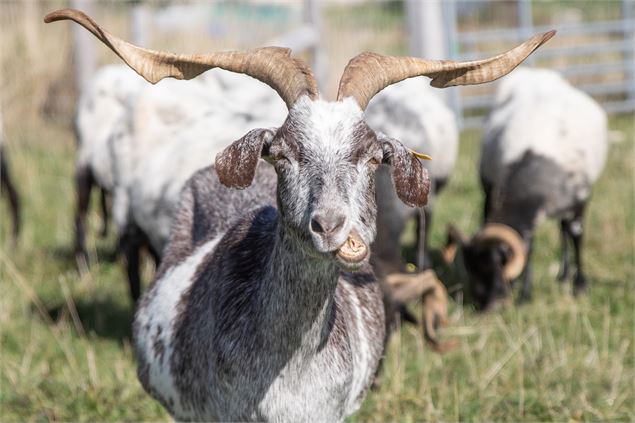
point(66, 351)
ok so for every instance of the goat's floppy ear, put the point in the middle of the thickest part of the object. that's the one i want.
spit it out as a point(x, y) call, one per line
point(236, 164)
point(408, 174)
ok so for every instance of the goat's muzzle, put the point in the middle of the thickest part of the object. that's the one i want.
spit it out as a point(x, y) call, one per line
point(353, 251)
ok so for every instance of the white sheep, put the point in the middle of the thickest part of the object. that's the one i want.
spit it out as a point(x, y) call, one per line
point(146, 202)
point(101, 106)
point(410, 112)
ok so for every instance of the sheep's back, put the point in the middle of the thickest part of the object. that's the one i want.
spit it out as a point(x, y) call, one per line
point(545, 115)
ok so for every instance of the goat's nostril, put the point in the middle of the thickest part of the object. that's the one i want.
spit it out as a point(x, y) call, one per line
point(316, 227)
point(327, 223)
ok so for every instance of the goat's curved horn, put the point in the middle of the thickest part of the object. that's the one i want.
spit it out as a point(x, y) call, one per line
point(291, 78)
point(497, 232)
point(369, 73)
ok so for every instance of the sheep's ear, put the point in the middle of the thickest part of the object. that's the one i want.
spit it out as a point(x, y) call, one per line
point(408, 174)
point(236, 164)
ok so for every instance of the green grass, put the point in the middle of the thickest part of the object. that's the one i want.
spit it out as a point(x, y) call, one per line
point(66, 351)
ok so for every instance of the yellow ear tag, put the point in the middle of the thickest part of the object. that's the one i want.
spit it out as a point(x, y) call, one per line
point(420, 155)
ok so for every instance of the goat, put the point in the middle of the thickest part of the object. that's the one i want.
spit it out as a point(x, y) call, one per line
point(273, 313)
point(8, 188)
point(543, 147)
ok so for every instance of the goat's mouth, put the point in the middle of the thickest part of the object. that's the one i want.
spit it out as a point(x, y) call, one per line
point(353, 251)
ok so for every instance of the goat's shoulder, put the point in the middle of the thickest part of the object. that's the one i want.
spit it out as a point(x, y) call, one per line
point(207, 209)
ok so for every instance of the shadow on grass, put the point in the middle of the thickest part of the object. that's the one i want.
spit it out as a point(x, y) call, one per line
point(66, 254)
point(105, 318)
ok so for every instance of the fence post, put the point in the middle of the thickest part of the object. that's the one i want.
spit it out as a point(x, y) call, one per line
point(426, 33)
point(525, 24)
point(319, 64)
point(83, 48)
point(139, 17)
point(629, 55)
point(451, 48)
point(425, 20)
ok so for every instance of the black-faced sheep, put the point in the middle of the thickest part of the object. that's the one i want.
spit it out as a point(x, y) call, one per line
point(543, 148)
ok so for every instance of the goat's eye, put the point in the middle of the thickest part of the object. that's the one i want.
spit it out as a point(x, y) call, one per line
point(374, 161)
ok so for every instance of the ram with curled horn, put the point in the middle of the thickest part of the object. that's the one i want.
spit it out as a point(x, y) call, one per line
point(540, 159)
point(270, 310)
point(493, 258)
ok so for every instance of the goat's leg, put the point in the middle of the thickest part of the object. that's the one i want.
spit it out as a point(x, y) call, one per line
point(565, 233)
point(6, 184)
point(104, 213)
point(525, 291)
point(84, 182)
point(577, 232)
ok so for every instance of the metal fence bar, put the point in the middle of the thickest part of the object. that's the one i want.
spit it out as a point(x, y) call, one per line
point(593, 68)
point(604, 88)
point(619, 106)
point(579, 50)
point(512, 34)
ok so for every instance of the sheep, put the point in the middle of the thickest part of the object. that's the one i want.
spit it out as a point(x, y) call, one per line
point(543, 148)
point(152, 189)
point(99, 109)
point(273, 313)
point(410, 112)
point(115, 104)
point(8, 188)
point(122, 124)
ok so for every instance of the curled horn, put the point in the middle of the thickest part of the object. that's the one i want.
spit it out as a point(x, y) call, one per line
point(291, 78)
point(369, 73)
point(496, 233)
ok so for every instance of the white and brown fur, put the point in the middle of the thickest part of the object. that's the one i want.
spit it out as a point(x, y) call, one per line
point(250, 316)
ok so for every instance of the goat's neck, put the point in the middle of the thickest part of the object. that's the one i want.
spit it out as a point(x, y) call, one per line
point(298, 293)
